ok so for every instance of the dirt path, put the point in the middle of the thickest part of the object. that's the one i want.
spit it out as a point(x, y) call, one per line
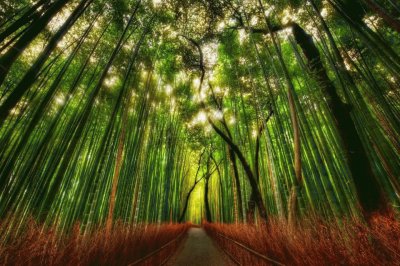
point(199, 249)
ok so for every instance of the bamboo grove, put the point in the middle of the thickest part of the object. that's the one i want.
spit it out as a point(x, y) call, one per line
point(172, 111)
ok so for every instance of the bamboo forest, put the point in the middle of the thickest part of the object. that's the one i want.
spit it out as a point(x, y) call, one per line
point(199, 132)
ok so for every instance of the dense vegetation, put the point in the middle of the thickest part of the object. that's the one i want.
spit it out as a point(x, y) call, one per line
point(170, 111)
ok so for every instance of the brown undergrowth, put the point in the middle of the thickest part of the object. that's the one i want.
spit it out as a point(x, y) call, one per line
point(313, 242)
point(125, 245)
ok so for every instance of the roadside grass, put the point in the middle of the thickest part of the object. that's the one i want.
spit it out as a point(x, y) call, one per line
point(313, 242)
point(125, 245)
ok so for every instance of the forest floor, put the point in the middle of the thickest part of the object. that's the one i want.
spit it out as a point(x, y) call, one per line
point(199, 249)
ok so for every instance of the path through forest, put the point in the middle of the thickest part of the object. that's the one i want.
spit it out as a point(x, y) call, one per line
point(199, 249)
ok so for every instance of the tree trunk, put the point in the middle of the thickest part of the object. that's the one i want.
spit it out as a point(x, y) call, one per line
point(251, 210)
point(84, 116)
point(206, 202)
point(8, 59)
point(293, 204)
point(368, 191)
point(251, 204)
point(117, 169)
point(221, 191)
point(353, 13)
point(41, 147)
point(30, 76)
point(182, 216)
point(252, 180)
point(232, 158)
point(249, 173)
point(41, 108)
point(27, 17)
point(390, 21)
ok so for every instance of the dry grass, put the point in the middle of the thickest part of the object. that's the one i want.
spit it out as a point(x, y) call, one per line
point(314, 242)
point(125, 245)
